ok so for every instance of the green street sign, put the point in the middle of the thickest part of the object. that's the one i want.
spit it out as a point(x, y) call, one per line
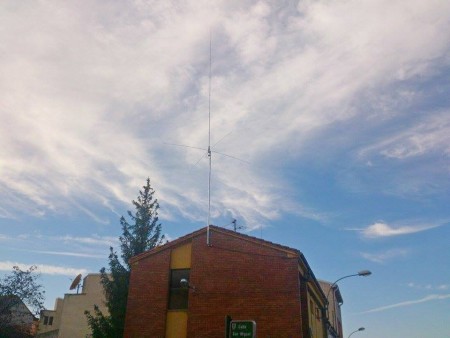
point(242, 328)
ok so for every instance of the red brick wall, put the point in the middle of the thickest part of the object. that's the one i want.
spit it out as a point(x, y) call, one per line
point(147, 297)
point(246, 281)
point(232, 277)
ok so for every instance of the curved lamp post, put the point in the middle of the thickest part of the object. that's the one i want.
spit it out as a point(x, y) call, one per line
point(360, 329)
point(363, 273)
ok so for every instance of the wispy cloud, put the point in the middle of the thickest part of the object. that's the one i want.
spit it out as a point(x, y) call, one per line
point(85, 244)
point(43, 268)
point(381, 229)
point(95, 240)
point(5, 214)
point(67, 253)
point(281, 76)
point(440, 287)
point(427, 136)
point(409, 303)
point(386, 255)
point(4, 237)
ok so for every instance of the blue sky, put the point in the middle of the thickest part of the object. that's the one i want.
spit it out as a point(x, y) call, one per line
point(339, 112)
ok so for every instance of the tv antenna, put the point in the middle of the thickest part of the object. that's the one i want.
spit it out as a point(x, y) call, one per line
point(236, 227)
point(76, 283)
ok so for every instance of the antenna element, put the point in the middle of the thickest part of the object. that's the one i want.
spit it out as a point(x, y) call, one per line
point(209, 147)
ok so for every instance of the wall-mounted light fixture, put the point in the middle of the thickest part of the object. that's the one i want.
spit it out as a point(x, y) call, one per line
point(185, 284)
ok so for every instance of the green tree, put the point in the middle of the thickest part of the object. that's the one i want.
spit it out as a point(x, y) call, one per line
point(17, 290)
point(142, 233)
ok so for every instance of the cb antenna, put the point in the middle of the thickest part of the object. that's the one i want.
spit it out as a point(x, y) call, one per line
point(209, 151)
point(209, 146)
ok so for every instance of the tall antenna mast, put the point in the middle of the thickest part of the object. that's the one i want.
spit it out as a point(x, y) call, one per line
point(209, 151)
point(209, 146)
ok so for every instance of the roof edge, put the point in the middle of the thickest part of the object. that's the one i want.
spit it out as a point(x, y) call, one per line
point(199, 232)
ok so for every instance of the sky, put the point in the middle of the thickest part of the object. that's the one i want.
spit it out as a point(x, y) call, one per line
point(330, 131)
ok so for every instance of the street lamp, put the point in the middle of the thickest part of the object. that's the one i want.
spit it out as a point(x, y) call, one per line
point(360, 329)
point(363, 273)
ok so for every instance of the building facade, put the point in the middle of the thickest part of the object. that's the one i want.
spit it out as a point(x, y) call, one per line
point(68, 320)
point(16, 320)
point(187, 288)
point(49, 320)
point(333, 309)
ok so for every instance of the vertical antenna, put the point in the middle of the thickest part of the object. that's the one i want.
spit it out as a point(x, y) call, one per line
point(209, 146)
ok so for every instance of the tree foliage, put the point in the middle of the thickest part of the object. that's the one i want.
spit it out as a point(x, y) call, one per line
point(17, 290)
point(141, 233)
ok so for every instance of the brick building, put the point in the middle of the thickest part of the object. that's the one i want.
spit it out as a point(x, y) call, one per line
point(236, 275)
point(16, 319)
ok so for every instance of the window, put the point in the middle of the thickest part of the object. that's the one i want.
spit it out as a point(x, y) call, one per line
point(311, 314)
point(317, 313)
point(48, 320)
point(178, 295)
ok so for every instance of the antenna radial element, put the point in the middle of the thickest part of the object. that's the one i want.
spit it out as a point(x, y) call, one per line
point(208, 239)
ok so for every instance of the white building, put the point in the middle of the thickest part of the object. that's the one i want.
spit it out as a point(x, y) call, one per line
point(68, 320)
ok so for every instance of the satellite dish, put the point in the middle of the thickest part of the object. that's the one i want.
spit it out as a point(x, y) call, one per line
point(76, 282)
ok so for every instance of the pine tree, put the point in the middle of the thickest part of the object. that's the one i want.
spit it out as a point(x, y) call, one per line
point(144, 233)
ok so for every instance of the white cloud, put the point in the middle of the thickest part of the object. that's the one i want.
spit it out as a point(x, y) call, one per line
point(386, 255)
point(80, 246)
point(94, 110)
point(380, 229)
point(428, 136)
point(5, 214)
point(43, 268)
point(4, 237)
point(95, 240)
point(68, 253)
point(441, 287)
point(409, 303)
